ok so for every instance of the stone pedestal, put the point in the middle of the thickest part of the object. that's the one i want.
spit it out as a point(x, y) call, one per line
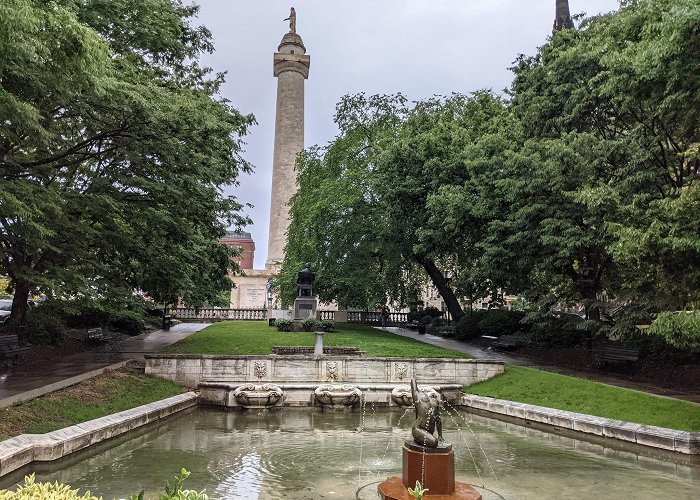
point(304, 307)
point(318, 346)
point(434, 468)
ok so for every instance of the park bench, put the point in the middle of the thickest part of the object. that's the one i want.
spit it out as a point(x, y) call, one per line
point(446, 331)
point(619, 355)
point(10, 349)
point(506, 342)
point(102, 335)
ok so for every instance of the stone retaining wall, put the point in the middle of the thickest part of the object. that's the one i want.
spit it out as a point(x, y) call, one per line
point(26, 448)
point(191, 370)
point(646, 435)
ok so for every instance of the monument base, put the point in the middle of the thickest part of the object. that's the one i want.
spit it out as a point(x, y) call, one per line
point(394, 489)
point(434, 468)
point(305, 307)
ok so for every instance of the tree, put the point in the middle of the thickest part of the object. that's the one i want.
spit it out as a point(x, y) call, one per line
point(612, 110)
point(336, 216)
point(362, 210)
point(115, 147)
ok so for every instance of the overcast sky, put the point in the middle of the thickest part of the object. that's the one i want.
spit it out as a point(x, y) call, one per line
point(417, 47)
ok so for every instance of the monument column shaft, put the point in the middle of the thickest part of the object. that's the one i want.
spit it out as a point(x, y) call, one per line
point(289, 142)
point(290, 67)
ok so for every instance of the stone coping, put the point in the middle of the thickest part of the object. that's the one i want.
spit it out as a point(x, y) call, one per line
point(26, 448)
point(324, 356)
point(313, 385)
point(645, 435)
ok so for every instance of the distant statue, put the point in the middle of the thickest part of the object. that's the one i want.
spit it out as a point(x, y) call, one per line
point(292, 21)
point(427, 418)
point(305, 281)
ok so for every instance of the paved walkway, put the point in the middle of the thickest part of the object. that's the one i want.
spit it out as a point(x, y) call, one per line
point(513, 359)
point(29, 376)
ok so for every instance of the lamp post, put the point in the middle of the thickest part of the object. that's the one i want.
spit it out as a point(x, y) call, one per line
point(448, 277)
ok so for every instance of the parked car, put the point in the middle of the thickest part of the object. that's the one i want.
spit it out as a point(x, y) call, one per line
point(5, 310)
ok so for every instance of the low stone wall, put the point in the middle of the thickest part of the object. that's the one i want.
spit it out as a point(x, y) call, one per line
point(646, 435)
point(191, 370)
point(26, 448)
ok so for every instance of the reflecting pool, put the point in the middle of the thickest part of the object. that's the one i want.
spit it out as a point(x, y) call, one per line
point(307, 454)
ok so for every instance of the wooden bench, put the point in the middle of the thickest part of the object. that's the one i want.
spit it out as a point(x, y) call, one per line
point(506, 342)
point(619, 355)
point(10, 349)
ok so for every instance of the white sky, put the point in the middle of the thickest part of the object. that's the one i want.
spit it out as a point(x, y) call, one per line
point(417, 47)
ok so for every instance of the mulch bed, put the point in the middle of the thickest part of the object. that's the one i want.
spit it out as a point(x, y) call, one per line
point(677, 371)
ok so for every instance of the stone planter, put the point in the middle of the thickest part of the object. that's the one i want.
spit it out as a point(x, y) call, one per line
point(258, 396)
point(337, 395)
point(401, 395)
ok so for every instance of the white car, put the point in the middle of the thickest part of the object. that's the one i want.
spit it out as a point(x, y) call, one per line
point(5, 310)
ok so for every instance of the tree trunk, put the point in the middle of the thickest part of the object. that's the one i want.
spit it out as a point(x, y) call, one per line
point(18, 317)
point(441, 284)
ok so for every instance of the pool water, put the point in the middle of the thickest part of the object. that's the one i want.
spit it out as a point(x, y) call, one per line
point(308, 454)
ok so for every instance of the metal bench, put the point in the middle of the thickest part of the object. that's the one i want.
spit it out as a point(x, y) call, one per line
point(619, 355)
point(102, 335)
point(506, 342)
point(446, 331)
point(10, 348)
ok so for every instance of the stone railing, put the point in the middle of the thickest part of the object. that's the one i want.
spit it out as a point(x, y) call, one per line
point(326, 315)
point(375, 318)
point(210, 315)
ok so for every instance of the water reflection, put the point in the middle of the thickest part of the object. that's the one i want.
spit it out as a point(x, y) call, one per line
point(295, 454)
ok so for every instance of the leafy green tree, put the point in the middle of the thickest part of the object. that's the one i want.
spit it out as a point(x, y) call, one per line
point(114, 149)
point(362, 213)
point(612, 110)
point(337, 219)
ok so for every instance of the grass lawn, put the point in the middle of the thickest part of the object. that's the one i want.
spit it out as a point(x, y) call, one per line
point(97, 397)
point(256, 337)
point(527, 385)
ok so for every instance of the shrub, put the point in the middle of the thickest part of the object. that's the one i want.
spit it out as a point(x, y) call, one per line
point(434, 326)
point(45, 325)
point(468, 325)
point(680, 329)
point(284, 325)
point(128, 322)
point(310, 324)
point(426, 320)
point(556, 331)
point(433, 312)
point(327, 325)
point(31, 490)
point(497, 322)
point(174, 490)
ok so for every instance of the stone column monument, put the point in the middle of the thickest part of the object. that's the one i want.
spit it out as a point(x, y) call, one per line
point(562, 17)
point(291, 68)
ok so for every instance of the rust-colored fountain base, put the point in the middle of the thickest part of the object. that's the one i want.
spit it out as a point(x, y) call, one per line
point(434, 468)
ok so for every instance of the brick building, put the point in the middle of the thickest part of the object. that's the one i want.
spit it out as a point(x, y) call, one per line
point(244, 242)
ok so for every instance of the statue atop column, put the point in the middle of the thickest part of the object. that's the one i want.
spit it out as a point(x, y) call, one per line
point(292, 21)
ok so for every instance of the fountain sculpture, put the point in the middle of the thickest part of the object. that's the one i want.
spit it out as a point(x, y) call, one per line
point(427, 458)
